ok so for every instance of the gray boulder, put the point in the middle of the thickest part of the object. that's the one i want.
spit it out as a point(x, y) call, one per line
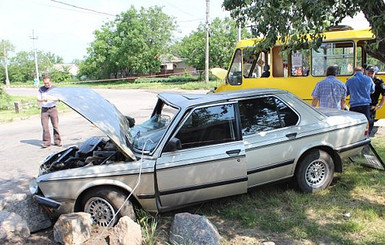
point(24, 205)
point(193, 229)
point(73, 228)
point(13, 229)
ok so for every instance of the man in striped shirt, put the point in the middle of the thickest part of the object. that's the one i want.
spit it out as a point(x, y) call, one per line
point(330, 92)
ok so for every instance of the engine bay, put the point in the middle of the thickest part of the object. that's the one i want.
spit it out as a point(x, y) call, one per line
point(94, 151)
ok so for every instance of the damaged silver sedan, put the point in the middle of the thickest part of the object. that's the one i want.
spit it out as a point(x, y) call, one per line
point(194, 148)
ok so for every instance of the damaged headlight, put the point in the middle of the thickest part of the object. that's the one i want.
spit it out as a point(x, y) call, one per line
point(33, 187)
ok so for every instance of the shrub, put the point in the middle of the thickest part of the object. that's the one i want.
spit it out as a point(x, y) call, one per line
point(5, 100)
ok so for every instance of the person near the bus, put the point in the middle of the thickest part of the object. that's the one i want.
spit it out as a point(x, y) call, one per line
point(330, 92)
point(360, 87)
point(379, 89)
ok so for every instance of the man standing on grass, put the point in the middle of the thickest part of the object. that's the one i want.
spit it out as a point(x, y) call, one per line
point(329, 92)
point(379, 89)
point(360, 87)
point(48, 111)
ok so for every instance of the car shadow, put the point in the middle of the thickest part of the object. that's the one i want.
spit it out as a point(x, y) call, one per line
point(31, 142)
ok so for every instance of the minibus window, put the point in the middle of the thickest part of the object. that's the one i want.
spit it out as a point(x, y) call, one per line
point(235, 73)
point(377, 64)
point(280, 63)
point(360, 56)
point(300, 63)
point(365, 59)
point(250, 68)
point(339, 54)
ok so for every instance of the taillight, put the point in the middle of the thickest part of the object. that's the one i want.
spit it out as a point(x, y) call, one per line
point(367, 130)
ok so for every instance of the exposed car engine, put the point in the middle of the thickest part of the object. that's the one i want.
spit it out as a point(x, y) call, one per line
point(94, 151)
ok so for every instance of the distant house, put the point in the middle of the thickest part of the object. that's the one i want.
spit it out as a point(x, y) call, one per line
point(175, 65)
point(72, 68)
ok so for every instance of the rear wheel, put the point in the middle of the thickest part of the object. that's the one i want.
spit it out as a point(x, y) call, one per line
point(103, 204)
point(315, 171)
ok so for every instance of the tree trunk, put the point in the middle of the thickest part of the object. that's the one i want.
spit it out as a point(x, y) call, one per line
point(373, 11)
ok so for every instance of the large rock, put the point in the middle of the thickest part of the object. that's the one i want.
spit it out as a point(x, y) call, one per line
point(126, 232)
point(73, 228)
point(193, 229)
point(24, 205)
point(13, 229)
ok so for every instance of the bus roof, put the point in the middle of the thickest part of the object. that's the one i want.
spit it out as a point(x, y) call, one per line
point(364, 34)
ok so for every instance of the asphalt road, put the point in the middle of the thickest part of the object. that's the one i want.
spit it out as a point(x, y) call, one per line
point(20, 150)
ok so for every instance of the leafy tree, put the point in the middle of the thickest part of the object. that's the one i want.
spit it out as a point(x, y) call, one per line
point(223, 37)
point(22, 65)
point(60, 75)
point(129, 45)
point(279, 19)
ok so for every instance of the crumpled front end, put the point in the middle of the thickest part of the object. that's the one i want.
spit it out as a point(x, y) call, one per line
point(94, 151)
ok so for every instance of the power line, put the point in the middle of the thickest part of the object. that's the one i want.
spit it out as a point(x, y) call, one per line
point(69, 9)
point(194, 20)
point(177, 8)
point(78, 7)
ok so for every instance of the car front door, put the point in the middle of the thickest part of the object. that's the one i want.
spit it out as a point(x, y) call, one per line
point(210, 161)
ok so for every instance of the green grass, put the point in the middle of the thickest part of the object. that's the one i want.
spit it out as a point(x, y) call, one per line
point(28, 107)
point(187, 82)
point(149, 85)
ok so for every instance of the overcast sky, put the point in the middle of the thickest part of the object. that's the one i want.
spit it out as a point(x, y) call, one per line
point(67, 31)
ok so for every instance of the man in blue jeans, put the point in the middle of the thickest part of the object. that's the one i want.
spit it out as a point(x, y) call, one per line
point(360, 87)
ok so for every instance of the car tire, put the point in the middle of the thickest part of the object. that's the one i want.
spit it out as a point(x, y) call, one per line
point(315, 171)
point(103, 203)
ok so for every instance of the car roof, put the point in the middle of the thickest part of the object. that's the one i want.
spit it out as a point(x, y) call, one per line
point(187, 100)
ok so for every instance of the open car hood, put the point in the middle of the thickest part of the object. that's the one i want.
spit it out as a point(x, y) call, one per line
point(99, 112)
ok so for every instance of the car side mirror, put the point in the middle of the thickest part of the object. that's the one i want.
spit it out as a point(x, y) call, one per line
point(131, 121)
point(173, 145)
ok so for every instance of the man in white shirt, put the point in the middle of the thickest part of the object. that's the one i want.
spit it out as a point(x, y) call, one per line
point(48, 111)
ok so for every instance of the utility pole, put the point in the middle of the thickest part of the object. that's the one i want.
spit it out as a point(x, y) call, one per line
point(36, 65)
point(207, 41)
point(239, 32)
point(7, 83)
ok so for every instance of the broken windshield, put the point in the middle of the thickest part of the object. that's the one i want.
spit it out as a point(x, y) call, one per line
point(146, 136)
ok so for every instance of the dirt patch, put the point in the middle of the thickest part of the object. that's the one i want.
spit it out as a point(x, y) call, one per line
point(378, 131)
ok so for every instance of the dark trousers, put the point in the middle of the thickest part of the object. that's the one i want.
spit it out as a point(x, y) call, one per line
point(372, 118)
point(365, 109)
point(46, 115)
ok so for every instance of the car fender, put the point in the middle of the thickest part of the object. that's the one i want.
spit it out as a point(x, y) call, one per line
point(324, 146)
point(101, 182)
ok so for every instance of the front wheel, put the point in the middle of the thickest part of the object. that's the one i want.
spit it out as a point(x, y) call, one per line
point(315, 171)
point(103, 204)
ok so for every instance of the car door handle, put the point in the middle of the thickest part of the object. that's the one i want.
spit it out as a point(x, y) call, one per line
point(233, 152)
point(292, 135)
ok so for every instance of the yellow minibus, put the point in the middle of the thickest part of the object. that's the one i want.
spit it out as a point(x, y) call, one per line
point(299, 72)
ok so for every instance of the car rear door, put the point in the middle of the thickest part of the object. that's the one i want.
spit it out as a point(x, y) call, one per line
point(269, 128)
point(210, 163)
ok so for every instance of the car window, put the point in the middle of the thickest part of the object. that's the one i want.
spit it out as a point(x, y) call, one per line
point(287, 116)
point(264, 114)
point(208, 126)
